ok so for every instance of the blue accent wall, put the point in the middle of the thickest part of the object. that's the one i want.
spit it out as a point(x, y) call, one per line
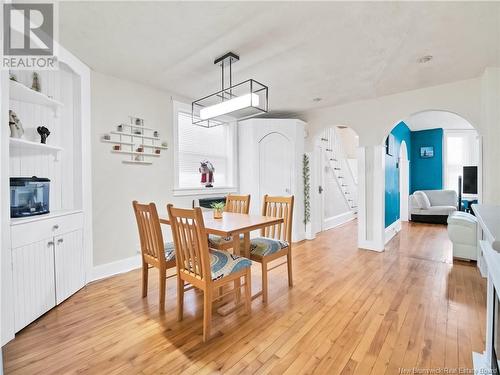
point(426, 173)
point(401, 133)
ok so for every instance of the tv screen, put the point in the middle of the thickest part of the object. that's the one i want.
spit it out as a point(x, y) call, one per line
point(470, 180)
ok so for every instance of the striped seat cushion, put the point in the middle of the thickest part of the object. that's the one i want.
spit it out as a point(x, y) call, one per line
point(223, 263)
point(169, 251)
point(215, 241)
point(262, 246)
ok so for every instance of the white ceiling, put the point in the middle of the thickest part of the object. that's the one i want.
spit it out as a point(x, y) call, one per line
point(437, 119)
point(338, 51)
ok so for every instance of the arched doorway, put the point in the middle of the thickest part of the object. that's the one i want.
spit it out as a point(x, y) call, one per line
point(427, 151)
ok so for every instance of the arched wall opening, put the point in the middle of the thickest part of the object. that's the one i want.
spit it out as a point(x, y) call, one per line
point(438, 145)
point(334, 182)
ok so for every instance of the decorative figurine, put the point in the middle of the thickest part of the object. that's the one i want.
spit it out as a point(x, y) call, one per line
point(117, 147)
point(156, 134)
point(106, 137)
point(207, 171)
point(44, 133)
point(157, 151)
point(12, 77)
point(16, 128)
point(164, 144)
point(140, 149)
point(36, 84)
point(119, 128)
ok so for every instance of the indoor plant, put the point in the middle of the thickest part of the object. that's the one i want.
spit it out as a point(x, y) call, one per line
point(218, 207)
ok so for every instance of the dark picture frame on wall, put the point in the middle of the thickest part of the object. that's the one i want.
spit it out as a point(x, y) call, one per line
point(390, 141)
point(427, 152)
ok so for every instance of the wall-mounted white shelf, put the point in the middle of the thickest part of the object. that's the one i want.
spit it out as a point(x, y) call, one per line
point(156, 147)
point(135, 153)
point(23, 143)
point(137, 162)
point(135, 135)
point(22, 93)
point(117, 142)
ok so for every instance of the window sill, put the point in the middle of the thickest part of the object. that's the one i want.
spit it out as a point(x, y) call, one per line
point(204, 191)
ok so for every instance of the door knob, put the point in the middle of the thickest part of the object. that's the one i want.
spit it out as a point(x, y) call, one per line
point(50, 243)
point(60, 240)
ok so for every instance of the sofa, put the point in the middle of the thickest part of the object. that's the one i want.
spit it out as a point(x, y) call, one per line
point(432, 206)
point(462, 231)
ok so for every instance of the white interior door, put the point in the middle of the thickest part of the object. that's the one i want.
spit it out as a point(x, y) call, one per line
point(275, 165)
point(404, 182)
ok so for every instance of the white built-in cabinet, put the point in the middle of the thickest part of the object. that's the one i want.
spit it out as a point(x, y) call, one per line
point(47, 258)
point(270, 157)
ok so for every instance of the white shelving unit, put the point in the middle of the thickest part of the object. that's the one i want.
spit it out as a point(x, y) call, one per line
point(22, 93)
point(130, 138)
point(24, 144)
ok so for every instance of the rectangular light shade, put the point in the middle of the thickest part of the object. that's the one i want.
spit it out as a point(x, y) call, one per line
point(229, 106)
point(238, 102)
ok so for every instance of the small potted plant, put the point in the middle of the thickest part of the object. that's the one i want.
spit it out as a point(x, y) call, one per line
point(218, 207)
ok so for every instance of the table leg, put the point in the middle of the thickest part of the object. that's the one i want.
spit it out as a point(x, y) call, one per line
point(237, 282)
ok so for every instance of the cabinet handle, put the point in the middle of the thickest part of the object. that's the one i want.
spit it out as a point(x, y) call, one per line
point(50, 243)
point(60, 240)
point(55, 227)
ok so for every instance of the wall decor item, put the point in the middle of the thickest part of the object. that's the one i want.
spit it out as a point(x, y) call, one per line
point(427, 152)
point(207, 172)
point(44, 133)
point(236, 102)
point(36, 84)
point(135, 141)
point(16, 128)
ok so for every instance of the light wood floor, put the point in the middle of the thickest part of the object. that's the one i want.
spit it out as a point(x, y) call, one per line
point(350, 312)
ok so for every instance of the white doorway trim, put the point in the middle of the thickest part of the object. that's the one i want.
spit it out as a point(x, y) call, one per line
point(404, 181)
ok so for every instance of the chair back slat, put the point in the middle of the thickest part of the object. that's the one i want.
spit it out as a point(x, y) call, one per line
point(151, 237)
point(237, 203)
point(278, 207)
point(190, 241)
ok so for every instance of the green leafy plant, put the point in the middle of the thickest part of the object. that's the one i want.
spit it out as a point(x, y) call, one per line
point(306, 175)
point(218, 205)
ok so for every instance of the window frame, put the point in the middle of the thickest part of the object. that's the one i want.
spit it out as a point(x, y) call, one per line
point(232, 161)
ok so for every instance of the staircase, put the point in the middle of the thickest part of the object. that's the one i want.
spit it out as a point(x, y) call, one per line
point(337, 161)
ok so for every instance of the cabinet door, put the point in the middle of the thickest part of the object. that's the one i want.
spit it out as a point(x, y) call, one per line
point(33, 274)
point(69, 264)
point(275, 165)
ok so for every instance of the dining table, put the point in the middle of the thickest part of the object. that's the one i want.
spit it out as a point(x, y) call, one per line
point(233, 225)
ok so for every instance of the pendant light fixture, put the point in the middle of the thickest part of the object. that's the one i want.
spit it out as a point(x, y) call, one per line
point(232, 103)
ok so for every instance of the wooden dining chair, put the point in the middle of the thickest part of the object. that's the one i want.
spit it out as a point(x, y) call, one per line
point(154, 252)
point(275, 240)
point(234, 203)
point(204, 269)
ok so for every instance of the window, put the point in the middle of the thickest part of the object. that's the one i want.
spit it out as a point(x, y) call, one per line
point(461, 149)
point(194, 144)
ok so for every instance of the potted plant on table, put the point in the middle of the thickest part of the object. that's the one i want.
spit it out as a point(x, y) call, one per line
point(218, 207)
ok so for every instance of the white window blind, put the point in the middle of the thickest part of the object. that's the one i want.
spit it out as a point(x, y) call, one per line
point(196, 144)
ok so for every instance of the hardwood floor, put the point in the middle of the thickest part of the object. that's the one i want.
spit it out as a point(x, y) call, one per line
point(350, 312)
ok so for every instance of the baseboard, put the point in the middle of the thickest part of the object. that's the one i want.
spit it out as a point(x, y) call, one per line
point(392, 230)
point(371, 245)
point(335, 221)
point(114, 268)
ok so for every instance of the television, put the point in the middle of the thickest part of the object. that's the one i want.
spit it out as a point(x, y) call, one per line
point(470, 180)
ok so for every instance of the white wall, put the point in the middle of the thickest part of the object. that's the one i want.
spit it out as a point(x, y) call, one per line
point(115, 184)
